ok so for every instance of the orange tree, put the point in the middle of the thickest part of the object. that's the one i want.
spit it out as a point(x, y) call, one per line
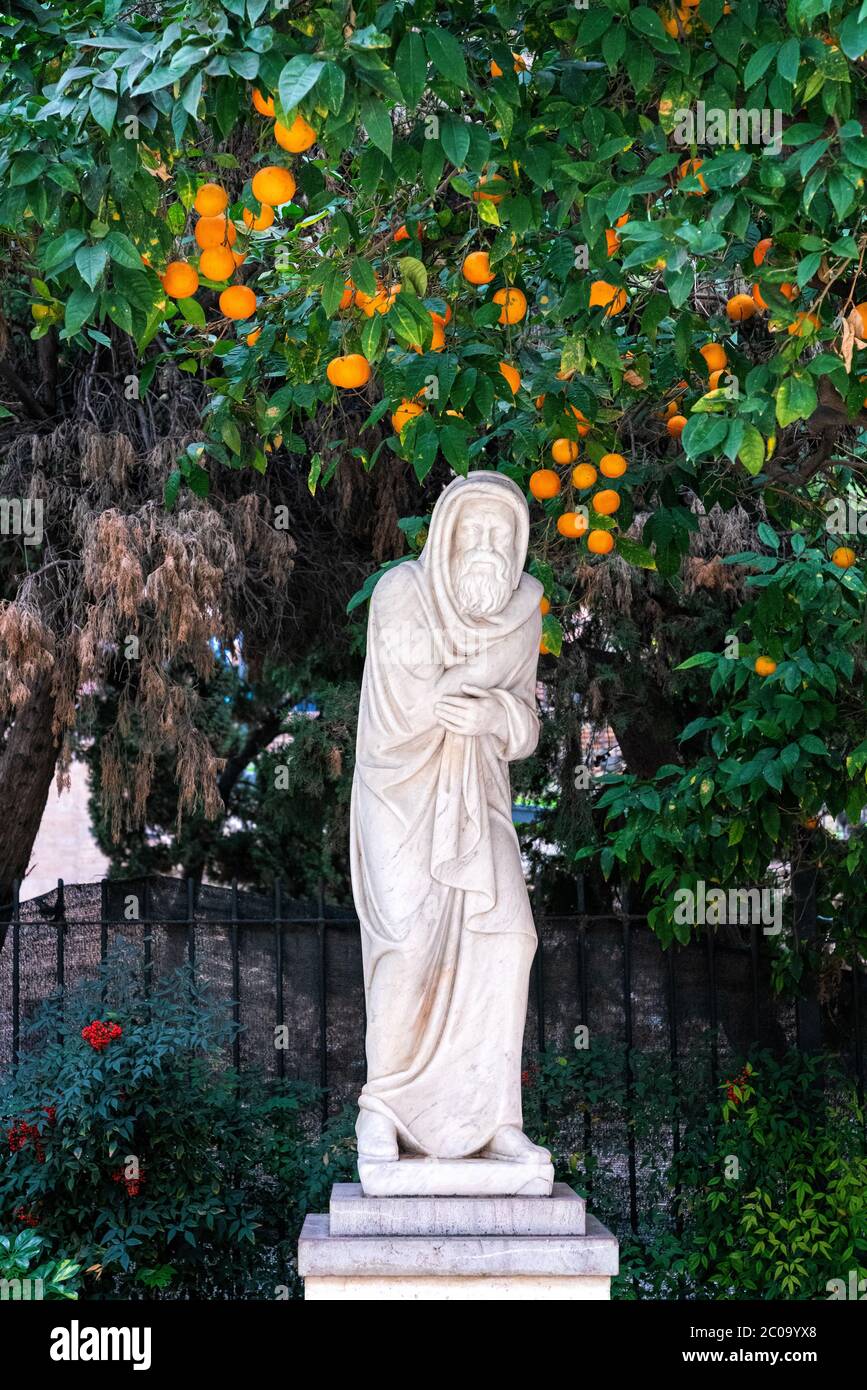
point(616, 251)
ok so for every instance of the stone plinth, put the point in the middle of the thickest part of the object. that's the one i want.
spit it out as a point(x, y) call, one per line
point(455, 1177)
point(352, 1213)
point(456, 1249)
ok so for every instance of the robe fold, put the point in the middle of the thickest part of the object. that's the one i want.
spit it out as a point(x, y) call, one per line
point(447, 932)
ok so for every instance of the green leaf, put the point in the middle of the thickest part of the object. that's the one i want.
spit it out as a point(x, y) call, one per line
point(60, 249)
point(172, 488)
point(300, 74)
point(103, 108)
point(410, 64)
point(752, 450)
point(552, 634)
point(91, 261)
point(759, 63)
point(79, 307)
point(852, 34)
point(455, 139)
point(447, 56)
point(796, 400)
point(362, 276)
point(635, 554)
point(192, 311)
point(789, 60)
point(377, 122)
point(26, 168)
point(453, 442)
point(413, 272)
point(703, 434)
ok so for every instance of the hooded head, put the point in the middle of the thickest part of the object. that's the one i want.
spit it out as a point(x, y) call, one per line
point(475, 552)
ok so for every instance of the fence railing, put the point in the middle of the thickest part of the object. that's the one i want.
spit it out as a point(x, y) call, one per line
point(291, 969)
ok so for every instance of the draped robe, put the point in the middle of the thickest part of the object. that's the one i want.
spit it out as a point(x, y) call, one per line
point(447, 932)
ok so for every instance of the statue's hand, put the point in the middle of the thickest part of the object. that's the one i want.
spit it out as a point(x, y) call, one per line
point(474, 712)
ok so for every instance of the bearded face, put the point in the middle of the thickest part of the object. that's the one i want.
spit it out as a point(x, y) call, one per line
point(482, 563)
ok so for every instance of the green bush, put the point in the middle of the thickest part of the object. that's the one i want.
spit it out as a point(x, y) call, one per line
point(27, 1271)
point(765, 1195)
point(138, 1153)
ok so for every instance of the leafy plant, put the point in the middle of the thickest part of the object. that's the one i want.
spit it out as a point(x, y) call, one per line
point(27, 1270)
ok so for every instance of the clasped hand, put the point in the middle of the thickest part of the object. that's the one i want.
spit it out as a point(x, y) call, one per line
point(474, 712)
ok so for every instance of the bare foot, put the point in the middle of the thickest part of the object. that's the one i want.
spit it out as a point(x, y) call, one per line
point(509, 1142)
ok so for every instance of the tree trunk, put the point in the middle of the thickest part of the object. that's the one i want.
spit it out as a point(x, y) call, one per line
point(646, 732)
point(27, 762)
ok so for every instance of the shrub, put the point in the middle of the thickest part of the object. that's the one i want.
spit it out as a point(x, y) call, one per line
point(28, 1271)
point(137, 1152)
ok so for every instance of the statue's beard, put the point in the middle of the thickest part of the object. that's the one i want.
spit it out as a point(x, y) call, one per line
point(483, 583)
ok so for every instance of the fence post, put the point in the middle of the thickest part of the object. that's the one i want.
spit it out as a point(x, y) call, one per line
point(236, 982)
point(323, 999)
point(805, 928)
point(16, 971)
point(278, 971)
point(630, 1091)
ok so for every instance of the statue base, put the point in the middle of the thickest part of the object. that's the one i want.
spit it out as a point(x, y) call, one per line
point(455, 1177)
point(489, 1248)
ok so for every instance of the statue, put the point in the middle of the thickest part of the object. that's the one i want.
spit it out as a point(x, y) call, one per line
point(447, 702)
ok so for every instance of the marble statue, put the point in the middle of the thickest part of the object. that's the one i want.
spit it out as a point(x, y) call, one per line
point(447, 702)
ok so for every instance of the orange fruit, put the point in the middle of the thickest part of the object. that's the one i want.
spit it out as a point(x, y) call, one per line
point(274, 185)
point(676, 425)
point(861, 311)
point(786, 290)
point(796, 329)
point(609, 296)
point(215, 231)
point(348, 372)
point(371, 304)
point(715, 378)
point(606, 502)
point(544, 605)
point(544, 483)
point(572, 524)
point(513, 304)
point(715, 357)
point(211, 200)
point(512, 375)
point(600, 542)
point(692, 166)
point(218, 263)
point(403, 233)
point(406, 411)
point(545, 651)
point(761, 249)
point(843, 557)
point(477, 268)
point(295, 138)
point(612, 466)
point(253, 337)
point(564, 451)
point(584, 427)
point(348, 295)
point(764, 666)
point(264, 105)
point(583, 475)
point(259, 222)
point(238, 257)
point(740, 307)
point(612, 241)
point(490, 190)
point(238, 302)
point(180, 280)
point(438, 340)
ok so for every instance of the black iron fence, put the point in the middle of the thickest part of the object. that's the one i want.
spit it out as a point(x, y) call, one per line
point(295, 966)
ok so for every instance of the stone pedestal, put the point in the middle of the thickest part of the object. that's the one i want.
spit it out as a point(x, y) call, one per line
point(435, 1248)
